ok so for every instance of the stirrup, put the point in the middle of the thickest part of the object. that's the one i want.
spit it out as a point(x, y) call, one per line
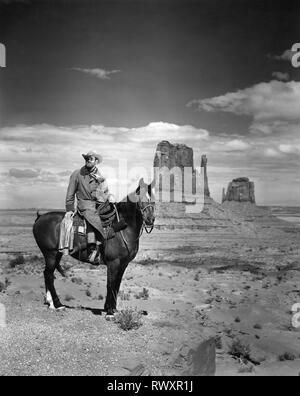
point(92, 256)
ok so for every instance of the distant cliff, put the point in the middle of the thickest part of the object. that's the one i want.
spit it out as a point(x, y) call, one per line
point(178, 158)
point(240, 190)
point(171, 155)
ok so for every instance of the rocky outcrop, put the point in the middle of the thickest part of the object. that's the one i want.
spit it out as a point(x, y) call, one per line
point(171, 155)
point(173, 167)
point(240, 190)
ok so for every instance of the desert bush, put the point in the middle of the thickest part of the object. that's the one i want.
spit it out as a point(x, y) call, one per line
point(257, 326)
point(129, 319)
point(246, 368)
point(18, 260)
point(77, 280)
point(88, 293)
point(4, 285)
point(68, 297)
point(237, 319)
point(124, 296)
point(100, 297)
point(286, 356)
point(218, 342)
point(240, 350)
point(196, 278)
point(144, 294)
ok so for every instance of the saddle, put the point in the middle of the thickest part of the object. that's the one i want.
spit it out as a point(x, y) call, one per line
point(107, 213)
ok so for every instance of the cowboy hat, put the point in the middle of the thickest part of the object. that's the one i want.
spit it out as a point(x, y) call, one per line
point(92, 154)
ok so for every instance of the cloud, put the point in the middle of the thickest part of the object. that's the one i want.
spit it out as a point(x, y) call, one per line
point(286, 55)
point(275, 100)
point(23, 173)
point(36, 160)
point(98, 73)
point(237, 145)
point(281, 76)
point(157, 131)
point(290, 148)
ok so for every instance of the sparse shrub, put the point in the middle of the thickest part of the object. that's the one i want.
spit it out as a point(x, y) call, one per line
point(237, 319)
point(100, 297)
point(257, 326)
point(286, 356)
point(88, 292)
point(18, 260)
point(246, 368)
point(68, 297)
point(124, 296)
point(239, 350)
point(196, 278)
point(129, 319)
point(144, 294)
point(77, 281)
point(4, 285)
point(218, 342)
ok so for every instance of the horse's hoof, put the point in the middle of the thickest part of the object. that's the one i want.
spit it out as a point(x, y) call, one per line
point(59, 307)
point(110, 318)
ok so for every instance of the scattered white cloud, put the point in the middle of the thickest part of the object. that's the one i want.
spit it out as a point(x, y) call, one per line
point(237, 145)
point(23, 173)
point(281, 76)
point(286, 55)
point(274, 100)
point(290, 148)
point(35, 159)
point(99, 73)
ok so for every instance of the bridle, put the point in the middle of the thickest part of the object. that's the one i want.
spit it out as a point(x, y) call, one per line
point(145, 227)
point(148, 228)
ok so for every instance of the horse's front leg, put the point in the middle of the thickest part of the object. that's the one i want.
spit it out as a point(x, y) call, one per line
point(114, 274)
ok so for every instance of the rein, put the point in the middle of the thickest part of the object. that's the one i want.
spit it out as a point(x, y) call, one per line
point(147, 228)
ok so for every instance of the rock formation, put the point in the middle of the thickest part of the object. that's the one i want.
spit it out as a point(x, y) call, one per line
point(240, 190)
point(171, 155)
point(172, 163)
point(204, 167)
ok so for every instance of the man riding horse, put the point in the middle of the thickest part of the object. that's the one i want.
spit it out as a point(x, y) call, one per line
point(90, 188)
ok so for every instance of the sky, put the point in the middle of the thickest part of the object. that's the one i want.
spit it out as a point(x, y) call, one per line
point(120, 76)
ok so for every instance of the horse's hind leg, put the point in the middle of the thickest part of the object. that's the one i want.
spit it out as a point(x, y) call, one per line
point(52, 261)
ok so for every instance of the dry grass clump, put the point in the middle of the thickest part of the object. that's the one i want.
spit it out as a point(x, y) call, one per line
point(144, 294)
point(240, 350)
point(4, 285)
point(129, 319)
point(18, 260)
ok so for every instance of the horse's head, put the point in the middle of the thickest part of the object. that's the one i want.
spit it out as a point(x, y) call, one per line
point(146, 202)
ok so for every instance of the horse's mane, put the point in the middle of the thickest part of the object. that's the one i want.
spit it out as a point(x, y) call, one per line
point(127, 205)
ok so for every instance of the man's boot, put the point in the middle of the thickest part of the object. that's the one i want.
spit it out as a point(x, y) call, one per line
point(92, 252)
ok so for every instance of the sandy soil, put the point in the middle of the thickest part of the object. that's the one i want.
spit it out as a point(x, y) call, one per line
point(200, 284)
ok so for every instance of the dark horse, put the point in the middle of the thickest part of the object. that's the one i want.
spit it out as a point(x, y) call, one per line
point(137, 209)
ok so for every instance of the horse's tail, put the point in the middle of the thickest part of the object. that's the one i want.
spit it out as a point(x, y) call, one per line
point(38, 215)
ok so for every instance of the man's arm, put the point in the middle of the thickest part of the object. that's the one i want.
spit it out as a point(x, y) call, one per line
point(70, 197)
point(103, 193)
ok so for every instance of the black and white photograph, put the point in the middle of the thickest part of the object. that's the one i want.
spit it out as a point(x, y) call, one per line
point(149, 190)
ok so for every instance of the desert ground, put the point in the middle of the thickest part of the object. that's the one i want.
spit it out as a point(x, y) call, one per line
point(194, 285)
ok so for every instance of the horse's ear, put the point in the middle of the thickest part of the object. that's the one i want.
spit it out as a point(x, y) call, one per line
point(141, 182)
point(138, 190)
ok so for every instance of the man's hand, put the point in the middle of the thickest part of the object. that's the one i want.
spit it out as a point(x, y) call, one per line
point(111, 199)
point(70, 213)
